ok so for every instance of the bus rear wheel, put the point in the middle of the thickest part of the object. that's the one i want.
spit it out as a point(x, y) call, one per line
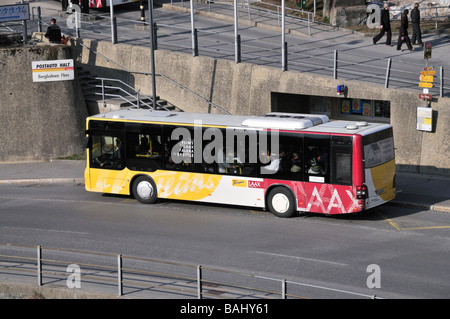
point(144, 190)
point(281, 202)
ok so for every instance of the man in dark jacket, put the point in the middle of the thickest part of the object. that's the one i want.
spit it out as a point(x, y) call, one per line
point(53, 32)
point(403, 32)
point(415, 22)
point(385, 26)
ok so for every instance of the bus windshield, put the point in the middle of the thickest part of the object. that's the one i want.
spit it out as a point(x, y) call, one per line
point(378, 148)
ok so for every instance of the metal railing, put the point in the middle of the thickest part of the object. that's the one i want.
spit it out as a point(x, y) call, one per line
point(425, 15)
point(387, 72)
point(128, 94)
point(105, 273)
point(137, 92)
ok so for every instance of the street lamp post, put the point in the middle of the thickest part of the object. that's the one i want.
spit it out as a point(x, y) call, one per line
point(152, 52)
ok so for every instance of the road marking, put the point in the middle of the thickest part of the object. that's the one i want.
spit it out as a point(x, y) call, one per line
point(301, 258)
point(393, 224)
point(396, 226)
point(434, 227)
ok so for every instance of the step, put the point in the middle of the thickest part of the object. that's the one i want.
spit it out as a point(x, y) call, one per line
point(92, 91)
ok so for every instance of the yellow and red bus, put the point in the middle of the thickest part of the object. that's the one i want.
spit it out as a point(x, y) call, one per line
point(283, 162)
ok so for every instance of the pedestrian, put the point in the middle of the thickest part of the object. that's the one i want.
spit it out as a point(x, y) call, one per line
point(53, 32)
point(385, 26)
point(415, 22)
point(403, 32)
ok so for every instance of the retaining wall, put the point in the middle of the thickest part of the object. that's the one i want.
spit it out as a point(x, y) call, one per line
point(38, 120)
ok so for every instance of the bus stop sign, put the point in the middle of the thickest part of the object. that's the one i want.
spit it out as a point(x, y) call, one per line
point(427, 50)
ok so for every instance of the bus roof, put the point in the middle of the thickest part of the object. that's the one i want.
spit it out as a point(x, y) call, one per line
point(274, 120)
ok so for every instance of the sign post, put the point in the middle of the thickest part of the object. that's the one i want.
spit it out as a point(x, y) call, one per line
point(425, 114)
point(426, 82)
point(427, 51)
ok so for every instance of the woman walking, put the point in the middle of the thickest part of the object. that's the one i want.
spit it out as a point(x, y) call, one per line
point(403, 32)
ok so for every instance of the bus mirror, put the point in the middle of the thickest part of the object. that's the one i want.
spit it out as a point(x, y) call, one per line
point(86, 142)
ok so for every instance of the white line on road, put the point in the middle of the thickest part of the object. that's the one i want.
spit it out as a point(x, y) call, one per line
point(302, 258)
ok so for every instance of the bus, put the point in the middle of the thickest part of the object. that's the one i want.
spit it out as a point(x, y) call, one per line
point(283, 162)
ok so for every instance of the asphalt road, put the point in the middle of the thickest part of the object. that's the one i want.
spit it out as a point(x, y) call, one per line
point(410, 247)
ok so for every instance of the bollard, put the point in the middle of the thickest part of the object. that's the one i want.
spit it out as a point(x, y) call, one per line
point(155, 36)
point(195, 48)
point(199, 282)
point(238, 52)
point(119, 275)
point(39, 265)
point(283, 289)
point(388, 72)
point(114, 32)
point(335, 65)
point(39, 19)
point(141, 6)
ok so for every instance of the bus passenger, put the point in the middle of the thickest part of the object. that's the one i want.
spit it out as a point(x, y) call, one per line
point(296, 163)
point(274, 165)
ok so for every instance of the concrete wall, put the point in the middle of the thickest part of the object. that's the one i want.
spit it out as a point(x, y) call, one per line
point(246, 89)
point(38, 121)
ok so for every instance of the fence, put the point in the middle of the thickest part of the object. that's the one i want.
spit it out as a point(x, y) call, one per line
point(390, 72)
point(142, 277)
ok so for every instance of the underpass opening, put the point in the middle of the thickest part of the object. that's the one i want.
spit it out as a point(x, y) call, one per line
point(337, 107)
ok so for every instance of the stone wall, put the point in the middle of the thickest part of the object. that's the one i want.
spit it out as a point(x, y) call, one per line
point(42, 120)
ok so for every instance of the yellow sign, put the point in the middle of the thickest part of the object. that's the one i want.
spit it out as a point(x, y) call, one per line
point(425, 85)
point(428, 72)
point(426, 78)
point(239, 182)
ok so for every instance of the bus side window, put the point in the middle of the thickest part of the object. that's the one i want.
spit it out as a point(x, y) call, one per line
point(144, 149)
point(341, 160)
point(317, 159)
point(107, 152)
point(287, 164)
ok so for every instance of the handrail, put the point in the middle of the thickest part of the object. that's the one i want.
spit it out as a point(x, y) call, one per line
point(157, 74)
point(138, 95)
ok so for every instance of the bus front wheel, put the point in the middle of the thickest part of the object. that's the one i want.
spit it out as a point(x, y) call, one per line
point(144, 190)
point(281, 202)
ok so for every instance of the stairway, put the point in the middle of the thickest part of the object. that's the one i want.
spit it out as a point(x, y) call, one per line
point(104, 95)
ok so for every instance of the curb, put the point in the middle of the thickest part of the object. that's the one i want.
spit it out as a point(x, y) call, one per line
point(437, 208)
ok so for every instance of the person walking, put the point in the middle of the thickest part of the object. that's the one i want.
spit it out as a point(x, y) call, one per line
point(53, 32)
point(403, 32)
point(385, 26)
point(415, 22)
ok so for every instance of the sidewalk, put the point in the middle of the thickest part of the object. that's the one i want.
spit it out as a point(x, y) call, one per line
point(423, 191)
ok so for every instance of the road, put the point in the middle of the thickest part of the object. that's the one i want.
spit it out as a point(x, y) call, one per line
point(358, 58)
point(410, 247)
